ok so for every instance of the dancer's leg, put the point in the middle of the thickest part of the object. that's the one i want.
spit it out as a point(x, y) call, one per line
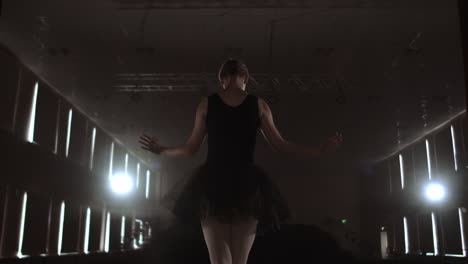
point(217, 237)
point(242, 238)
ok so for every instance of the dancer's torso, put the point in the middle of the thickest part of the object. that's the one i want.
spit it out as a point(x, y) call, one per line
point(232, 130)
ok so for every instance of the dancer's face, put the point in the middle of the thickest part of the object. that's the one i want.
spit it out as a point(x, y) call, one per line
point(234, 81)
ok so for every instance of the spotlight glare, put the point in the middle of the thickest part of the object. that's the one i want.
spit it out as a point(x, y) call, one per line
point(121, 183)
point(435, 192)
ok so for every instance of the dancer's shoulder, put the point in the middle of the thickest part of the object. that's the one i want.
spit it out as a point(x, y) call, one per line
point(203, 105)
point(262, 104)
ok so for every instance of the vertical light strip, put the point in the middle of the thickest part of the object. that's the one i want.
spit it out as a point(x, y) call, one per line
point(383, 244)
point(405, 226)
point(106, 243)
point(32, 115)
point(126, 163)
point(86, 234)
point(111, 160)
point(147, 184)
point(91, 157)
point(140, 228)
point(402, 174)
point(434, 221)
point(102, 235)
point(62, 216)
point(122, 231)
point(22, 220)
point(462, 231)
point(57, 126)
point(70, 116)
point(434, 234)
point(132, 229)
point(454, 149)
point(140, 239)
point(138, 175)
point(428, 159)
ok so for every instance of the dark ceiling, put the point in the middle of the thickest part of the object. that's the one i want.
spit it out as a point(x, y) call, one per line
point(142, 66)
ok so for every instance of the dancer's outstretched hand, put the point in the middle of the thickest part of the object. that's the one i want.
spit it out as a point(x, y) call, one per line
point(151, 144)
point(331, 144)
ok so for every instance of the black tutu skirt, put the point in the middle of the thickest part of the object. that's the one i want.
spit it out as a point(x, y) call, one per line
point(229, 193)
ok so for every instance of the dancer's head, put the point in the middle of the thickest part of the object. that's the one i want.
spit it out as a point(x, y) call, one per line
point(233, 74)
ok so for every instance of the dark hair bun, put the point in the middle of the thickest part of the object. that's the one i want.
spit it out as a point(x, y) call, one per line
point(233, 67)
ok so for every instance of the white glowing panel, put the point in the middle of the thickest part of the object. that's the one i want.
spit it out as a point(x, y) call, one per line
point(454, 149)
point(32, 115)
point(140, 228)
point(111, 159)
point(402, 175)
point(462, 230)
point(455, 255)
point(102, 241)
point(126, 163)
point(383, 244)
point(434, 234)
point(91, 157)
point(428, 159)
point(67, 147)
point(62, 216)
point(405, 226)
point(121, 183)
point(435, 192)
point(147, 184)
point(138, 175)
point(22, 220)
point(86, 235)
point(122, 231)
point(106, 243)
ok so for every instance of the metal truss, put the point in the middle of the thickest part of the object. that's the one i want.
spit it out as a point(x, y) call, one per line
point(300, 4)
point(200, 82)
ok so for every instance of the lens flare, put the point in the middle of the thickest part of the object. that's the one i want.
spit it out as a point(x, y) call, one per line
point(435, 192)
point(121, 183)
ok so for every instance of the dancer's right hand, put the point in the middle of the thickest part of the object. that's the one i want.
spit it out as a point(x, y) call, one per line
point(151, 144)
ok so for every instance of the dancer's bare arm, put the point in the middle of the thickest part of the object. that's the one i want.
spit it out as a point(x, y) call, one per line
point(274, 138)
point(192, 145)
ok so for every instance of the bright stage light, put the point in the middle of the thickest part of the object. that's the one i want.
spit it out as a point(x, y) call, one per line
point(435, 192)
point(121, 183)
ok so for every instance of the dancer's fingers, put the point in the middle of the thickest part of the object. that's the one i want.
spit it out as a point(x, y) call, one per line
point(144, 142)
point(147, 137)
point(144, 137)
point(146, 148)
point(149, 141)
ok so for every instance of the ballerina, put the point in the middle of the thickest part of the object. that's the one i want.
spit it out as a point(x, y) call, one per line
point(229, 195)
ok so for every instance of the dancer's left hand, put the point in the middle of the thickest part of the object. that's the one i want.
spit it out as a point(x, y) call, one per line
point(151, 144)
